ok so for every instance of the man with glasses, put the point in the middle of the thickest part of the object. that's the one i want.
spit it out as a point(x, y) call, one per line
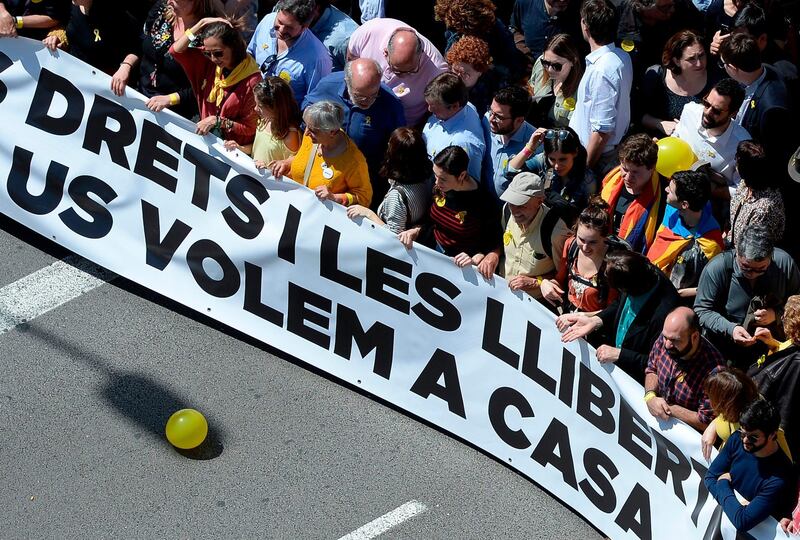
point(453, 121)
point(408, 60)
point(534, 235)
point(284, 47)
point(677, 367)
point(744, 289)
point(711, 131)
point(371, 112)
point(506, 133)
point(752, 464)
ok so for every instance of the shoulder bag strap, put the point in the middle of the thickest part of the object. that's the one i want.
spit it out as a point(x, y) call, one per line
point(310, 163)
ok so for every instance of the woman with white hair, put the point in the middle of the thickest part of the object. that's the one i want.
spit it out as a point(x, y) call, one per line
point(328, 161)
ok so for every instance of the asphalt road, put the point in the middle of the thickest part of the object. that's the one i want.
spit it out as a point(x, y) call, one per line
point(86, 390)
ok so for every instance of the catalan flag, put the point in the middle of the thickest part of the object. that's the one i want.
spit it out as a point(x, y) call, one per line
point(673, 237)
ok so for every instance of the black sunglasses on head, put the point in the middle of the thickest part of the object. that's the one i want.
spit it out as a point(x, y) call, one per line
point(269, 64)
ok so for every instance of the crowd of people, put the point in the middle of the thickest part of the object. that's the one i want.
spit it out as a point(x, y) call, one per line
point(520, 138)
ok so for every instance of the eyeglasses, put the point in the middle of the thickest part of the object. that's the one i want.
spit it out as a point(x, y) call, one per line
point(269, 64)
point(363, 97)
point(715, 110)
point(498, 117)
point(390, 67)
point(555, 66)
point(560, 134)
point(214, 54)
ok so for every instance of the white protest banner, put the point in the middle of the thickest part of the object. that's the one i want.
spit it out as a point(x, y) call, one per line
point(140, 194)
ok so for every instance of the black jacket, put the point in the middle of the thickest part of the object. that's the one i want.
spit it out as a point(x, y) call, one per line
point(645, 328)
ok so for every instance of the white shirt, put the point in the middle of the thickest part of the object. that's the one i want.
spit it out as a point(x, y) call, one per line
point(603, 102)
point(719, 151)
point(749, 92)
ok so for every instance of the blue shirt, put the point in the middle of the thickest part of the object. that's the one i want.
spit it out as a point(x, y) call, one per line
point(498, 154)
point(765, 482)
point(462, 129)
point(333, 29)
point(531, 18)
point(370, 128)
point(302, 65)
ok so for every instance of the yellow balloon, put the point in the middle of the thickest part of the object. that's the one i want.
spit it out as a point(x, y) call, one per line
point(674, 155)
point(186, 429)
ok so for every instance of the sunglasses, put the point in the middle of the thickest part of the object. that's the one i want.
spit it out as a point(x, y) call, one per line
point(715, 110)
point(555, 66)
point(213, 54)
point(560, 134)
point(269, 64)
point(752, 438)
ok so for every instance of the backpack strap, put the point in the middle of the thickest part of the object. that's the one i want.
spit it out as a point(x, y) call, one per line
point(546, 231)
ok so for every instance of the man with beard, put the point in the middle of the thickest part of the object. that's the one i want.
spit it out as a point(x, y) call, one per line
point(284, 47)
point(710, 130)
point(752, 464)
point(679, 362)
point(506, 133)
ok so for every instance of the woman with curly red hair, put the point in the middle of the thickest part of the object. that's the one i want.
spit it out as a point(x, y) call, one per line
point(477, 18)
point(469, 59)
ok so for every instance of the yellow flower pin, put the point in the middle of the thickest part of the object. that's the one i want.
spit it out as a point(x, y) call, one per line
point(439, 200)
point(628, 45)
point(507, 236)
point(569, 104)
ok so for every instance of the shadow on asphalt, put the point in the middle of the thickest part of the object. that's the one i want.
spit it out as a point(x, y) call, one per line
point(141, 399)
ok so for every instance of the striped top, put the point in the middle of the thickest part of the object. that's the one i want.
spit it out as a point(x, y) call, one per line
point(404, 205)
point(466, 222)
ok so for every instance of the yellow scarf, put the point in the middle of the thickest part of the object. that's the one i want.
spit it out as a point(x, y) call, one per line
point(245, 68)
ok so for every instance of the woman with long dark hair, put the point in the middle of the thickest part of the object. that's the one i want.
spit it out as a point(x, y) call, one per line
point(554, 82)
point(222, 76)
point(580, 283)
point(562, 165)
point(465, 220)
point(408, 170)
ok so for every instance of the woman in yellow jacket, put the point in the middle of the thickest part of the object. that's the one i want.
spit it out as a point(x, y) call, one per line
point(328, 161)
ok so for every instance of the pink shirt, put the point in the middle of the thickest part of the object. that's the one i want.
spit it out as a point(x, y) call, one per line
point(371, 39)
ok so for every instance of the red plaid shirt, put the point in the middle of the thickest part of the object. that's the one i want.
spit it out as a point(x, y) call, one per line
point(680, 382)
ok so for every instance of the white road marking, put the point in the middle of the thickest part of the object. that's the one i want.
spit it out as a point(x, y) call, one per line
point(48, 288)
point(387, 521)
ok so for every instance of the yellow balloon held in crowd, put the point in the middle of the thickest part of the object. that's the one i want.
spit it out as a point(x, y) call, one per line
point(186, 429)
point(674, 155)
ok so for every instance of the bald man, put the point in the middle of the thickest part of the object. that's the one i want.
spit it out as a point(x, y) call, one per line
point(408, 61)
point(371, 112)
point(679, 362)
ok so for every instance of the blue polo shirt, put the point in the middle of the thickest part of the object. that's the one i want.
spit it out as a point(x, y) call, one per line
point(462, 129)
point(302, 65)
point(370, 128)
point(498, 154)
point(333, 29)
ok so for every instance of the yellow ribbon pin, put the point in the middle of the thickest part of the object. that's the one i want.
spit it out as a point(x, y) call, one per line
point(97, 35)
